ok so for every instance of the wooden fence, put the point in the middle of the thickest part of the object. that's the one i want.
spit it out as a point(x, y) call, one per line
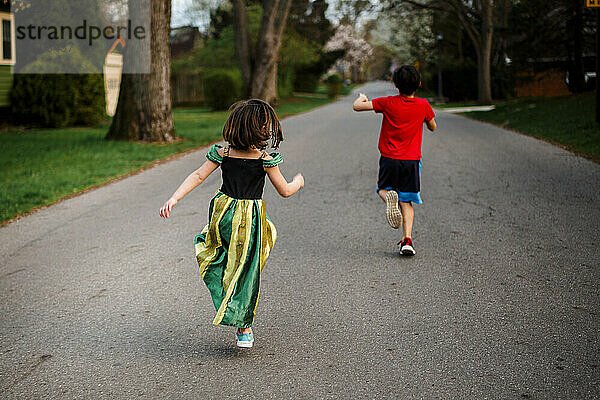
point(186, 89)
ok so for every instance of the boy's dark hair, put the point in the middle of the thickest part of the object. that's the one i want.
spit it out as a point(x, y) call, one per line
point(252, 123)
point(407, 79)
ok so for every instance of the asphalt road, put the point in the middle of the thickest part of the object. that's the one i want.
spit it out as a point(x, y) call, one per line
point(100, 298)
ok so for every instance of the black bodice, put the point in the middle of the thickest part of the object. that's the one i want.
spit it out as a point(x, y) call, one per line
point(243, 178)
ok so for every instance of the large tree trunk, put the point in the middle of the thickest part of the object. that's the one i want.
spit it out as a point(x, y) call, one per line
point(481, 36)
point(484, 82)
point(269, 87)
point(144, 108)
point(262, 75)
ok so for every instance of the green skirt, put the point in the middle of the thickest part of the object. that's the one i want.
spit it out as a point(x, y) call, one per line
point(231, 252)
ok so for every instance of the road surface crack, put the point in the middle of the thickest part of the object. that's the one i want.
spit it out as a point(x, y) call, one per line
point(31, 370)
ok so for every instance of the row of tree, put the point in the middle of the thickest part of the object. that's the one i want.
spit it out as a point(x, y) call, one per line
point(272, 44)
point(492, 34)
point(256, 30)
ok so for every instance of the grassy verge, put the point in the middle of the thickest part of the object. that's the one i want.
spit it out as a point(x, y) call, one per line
point(457, 104)
point(41, 166)
point(568, 121)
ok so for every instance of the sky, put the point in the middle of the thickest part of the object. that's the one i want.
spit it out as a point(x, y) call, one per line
point(181, 15)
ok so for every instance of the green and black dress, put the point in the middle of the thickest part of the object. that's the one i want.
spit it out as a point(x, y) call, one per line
point(233, 248)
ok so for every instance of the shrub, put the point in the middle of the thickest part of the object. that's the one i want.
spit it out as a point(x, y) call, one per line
point(285, 83)
point(221, 89)
point(306, 78)
point(334, 85)
point(58, 100)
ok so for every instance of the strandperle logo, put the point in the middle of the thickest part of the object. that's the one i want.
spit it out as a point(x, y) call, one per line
point(86, 32)
point(81, 36)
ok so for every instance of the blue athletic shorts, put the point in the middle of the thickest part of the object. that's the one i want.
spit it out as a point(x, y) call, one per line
point(403, 176)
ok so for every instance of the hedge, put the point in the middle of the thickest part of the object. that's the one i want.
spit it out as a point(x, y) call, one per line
point(221, 89)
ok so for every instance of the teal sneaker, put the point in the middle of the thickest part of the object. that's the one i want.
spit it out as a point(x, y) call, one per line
point(244, 339)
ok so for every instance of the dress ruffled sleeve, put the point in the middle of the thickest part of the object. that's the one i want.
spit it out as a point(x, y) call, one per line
point(277, 159)
point(213, 154)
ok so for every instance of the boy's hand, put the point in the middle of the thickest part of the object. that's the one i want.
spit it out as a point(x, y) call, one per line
point(165, 210)
point(362, 103)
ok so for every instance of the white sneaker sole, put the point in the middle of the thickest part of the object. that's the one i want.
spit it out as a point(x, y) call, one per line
point(408, 250)
point(245, 345)
point(392, 212)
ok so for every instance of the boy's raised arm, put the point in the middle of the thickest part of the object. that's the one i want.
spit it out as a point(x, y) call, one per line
point(362, 103)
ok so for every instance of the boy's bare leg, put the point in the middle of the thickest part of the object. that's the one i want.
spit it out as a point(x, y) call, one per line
point(408, 215)
point(382, 193)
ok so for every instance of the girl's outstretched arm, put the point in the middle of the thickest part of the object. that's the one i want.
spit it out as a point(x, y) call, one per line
point(284, 188)
point(193, 180)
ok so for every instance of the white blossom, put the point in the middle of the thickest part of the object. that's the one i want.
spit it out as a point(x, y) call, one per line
point(346, 38)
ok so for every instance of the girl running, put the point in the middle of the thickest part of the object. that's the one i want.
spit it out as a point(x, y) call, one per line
point(233, 247)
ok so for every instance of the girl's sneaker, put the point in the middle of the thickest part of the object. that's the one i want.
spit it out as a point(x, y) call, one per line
point(406, 247)
point(244, 339)
point(392, 212)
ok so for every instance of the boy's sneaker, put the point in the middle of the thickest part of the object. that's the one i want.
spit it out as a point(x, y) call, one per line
point(406, 247)
point(244, 339)
point(392, 212)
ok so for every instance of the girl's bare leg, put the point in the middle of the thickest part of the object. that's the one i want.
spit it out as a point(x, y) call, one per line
point(408, 215)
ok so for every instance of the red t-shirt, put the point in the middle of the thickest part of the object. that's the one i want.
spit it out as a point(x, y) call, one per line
point(402, 126)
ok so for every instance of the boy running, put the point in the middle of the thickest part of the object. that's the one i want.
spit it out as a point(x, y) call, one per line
point(400, 140)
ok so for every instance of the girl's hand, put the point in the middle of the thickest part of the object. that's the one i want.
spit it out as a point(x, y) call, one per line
point(165, 210)
point(362, 97)
point(298, 180)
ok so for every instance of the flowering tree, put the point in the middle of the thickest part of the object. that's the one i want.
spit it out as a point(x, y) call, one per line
point(357, 49)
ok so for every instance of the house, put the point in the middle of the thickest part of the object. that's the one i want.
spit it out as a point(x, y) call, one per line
point(7, 51)
point(549, 77)
point(183, 39)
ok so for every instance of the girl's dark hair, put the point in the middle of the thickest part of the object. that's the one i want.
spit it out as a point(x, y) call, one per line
point(407, 79)
point(252, 123)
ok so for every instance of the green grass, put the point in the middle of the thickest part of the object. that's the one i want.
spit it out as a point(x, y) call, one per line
point(569, 121)
point(41, 166)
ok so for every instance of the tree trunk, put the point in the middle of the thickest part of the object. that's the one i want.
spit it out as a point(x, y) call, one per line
point(262, 72)
point(264, 77)
point(459, 43)
point(242, 44)
point(144, 108)
point(484, 54)
point(269, 88)
point(481, 37)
